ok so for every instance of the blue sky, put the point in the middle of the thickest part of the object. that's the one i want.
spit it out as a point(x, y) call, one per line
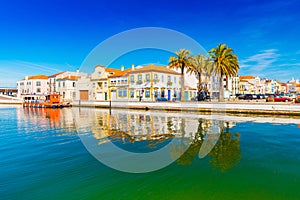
point(44, 37)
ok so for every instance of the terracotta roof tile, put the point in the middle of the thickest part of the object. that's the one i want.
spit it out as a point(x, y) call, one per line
point(54, 75)
point(155, 68)
point(41, 76)
point(247, 77)
point(71, 78)
point(117, 72)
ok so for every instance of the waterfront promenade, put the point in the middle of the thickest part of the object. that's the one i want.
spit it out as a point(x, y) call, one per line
point(228, 107)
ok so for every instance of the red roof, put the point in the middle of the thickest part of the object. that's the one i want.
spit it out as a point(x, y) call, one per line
point(151, 68)
point(54, 75)
point(41, 76)
point(247, 77)
point(71, 78)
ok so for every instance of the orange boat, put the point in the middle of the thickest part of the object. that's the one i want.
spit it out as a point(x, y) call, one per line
point(47, 101)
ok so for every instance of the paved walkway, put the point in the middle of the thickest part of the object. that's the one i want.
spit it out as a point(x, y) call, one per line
point(230, 107)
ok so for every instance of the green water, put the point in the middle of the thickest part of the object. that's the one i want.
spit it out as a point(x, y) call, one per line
point(42, 157)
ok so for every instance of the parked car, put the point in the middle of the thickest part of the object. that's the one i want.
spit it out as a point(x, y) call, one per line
point(201, 97)
point(241, 96)
point(270, 97)
point(282, 99)
point(246, 97)
point(297, 100)
point(260, 96)
point(161, 99)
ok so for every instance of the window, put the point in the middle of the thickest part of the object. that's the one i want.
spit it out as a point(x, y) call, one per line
point(29, 83)
point(58, 84)
point(132, 79)
point(131, 93)
point(175, 79)
point(147, 77)
point(155, 77)
point(22, 83)
point(38, 90)
point(147, 94)
point(162, 78)
point(74, 84)
point(105, 84)
point(140, 77)
point(169, 78)
point(38, 83)
point(64, 84)
point(122, 93)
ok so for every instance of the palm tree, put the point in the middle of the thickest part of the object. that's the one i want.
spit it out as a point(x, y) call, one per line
point(200, 65)
point(225, 64)
point(226, 153)
point(180, 61)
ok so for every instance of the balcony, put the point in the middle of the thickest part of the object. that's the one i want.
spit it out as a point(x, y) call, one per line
point(139, 82)
point(169, 83)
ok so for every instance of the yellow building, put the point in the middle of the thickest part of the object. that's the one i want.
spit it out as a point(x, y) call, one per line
point(151, 82)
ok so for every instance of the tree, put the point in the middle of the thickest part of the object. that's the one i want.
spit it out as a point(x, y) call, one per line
point(200, 65)
point(180, 61)
point(226, 153)
point(225, 64)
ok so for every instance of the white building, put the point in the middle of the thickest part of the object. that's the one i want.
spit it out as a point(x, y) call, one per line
point(33, 85)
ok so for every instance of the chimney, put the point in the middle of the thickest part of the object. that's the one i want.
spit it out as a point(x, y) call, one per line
point(26, 78)
point(132, 67)
point(122, 68)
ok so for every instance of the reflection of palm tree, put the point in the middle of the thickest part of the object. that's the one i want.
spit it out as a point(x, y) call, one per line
point(226, 153)
point(190, 154)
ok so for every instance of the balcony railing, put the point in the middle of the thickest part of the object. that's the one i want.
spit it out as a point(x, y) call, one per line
point(169, 83)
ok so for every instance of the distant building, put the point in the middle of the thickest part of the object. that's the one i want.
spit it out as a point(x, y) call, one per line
point(9, 91)
point(143, 82)
point(33, 85)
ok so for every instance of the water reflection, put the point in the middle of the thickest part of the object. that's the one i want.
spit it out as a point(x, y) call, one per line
point(226, 153)
point(142, 132)
point(37, 119)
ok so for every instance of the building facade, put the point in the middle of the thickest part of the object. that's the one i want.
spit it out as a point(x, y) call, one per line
point(33, 85)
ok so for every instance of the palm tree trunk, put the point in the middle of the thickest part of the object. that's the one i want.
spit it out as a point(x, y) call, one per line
point(221, 89)
point(199, 84)
point(182, 87)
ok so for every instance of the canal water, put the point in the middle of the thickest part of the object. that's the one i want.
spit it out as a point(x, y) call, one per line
point(76, 153)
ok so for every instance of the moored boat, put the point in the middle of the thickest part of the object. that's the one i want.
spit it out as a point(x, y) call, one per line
point(46, 101)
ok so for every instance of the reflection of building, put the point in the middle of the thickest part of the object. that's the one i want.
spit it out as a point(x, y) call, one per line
point(139, 126)
point(60, 119)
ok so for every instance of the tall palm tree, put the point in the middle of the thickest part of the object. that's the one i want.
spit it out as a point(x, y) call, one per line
point(226, 153)
point(200, 65)
point(180, 61)
point(225, 65)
